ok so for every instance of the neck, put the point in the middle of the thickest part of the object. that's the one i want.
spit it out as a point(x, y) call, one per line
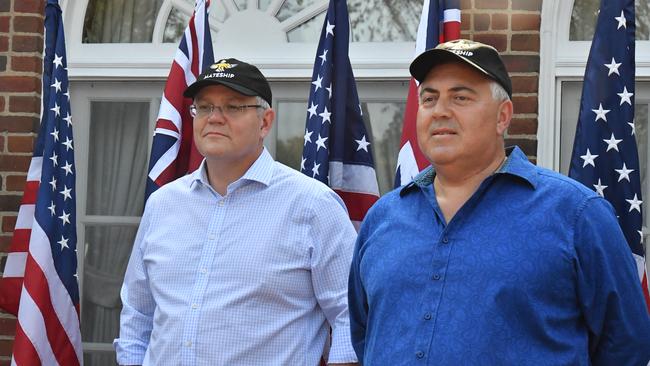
point(222, 173)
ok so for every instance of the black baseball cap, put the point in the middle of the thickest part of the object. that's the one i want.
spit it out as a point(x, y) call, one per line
point(236, 75)
point(482, 57)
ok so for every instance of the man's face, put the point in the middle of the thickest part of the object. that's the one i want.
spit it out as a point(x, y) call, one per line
point(229, 137)
point(458, 120)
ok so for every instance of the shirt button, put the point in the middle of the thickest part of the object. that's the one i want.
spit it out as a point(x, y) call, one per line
point(435, 277)
point(188, 344)
point(445, 240)
point(221, 203)
point(203, 270)
point(427, 316)
point(419, 354)
point(194, 306)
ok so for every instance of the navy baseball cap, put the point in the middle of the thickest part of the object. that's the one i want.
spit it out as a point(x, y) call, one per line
point(234, 74)
point(480, 56)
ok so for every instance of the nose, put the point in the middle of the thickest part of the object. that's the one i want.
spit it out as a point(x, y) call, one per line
point(440, 109)
point(216, 115)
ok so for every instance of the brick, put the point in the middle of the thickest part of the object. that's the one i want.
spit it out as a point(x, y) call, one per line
point(5, 346)
point(499, 21)
point(19, 123)
point(498, 41)
point(3, 63)
point(14, 163)
point(5, 5)
point(20, 144)
point(4, 43)
point(481, 22)
point(16, 183)
point(8, 326)
point(29, 6)
point(524, 84)
point(518, 126)
point(525, 104)
point(491, 4)
point(2, 105)
point(5, 241)
point(8, 223)
point(28, 104)
point(521, 63)
point(466, 4)
point(2, 149)
point(28, 24)
point(9, 203)
point(525, 22)
point(465, 21)
point(4, 24)
point(524, 42)
point(532, 5)
point(27, 63)
point(528, 146)
point(21, 84)
point(27, 43)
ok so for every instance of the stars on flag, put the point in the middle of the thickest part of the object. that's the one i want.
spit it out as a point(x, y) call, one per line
point(363, 144)
point(624, 173)
point(625, 96)
point(613, 67)
point(601, 113)
point(588, 159)
point(621, 21)
point(612, 143)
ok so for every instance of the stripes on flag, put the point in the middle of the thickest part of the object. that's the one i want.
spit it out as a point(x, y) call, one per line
point(337, 149)
point(605, 156)
point(173, 153)
point(39, 282)
point(439, 22)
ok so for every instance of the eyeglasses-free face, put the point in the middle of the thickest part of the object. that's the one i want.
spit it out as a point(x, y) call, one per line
point(227, 111)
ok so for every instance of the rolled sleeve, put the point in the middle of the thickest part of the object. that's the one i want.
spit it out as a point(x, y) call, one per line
point(334, 237)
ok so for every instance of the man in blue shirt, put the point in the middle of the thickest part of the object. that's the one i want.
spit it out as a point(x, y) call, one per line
point(245, 261)
point(486, 259)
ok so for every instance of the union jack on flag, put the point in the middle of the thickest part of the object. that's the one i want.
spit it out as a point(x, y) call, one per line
point(173, 153)
point(440, 22)
point(605, 156)
point(337, 147)
point(39, 281)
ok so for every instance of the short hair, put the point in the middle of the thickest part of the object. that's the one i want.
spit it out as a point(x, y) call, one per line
point(498, 92)
point(264, 105)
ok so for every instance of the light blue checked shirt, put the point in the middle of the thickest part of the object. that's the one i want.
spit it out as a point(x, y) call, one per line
point(254, 277)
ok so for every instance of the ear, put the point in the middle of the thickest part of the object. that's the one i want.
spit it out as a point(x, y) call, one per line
point(266, 122)
point(504, 116)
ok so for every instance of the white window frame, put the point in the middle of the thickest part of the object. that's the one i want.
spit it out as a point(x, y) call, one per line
point(563, 60)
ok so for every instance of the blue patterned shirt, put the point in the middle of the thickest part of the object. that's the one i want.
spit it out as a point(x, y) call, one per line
point(532, 270)
point(254, 277)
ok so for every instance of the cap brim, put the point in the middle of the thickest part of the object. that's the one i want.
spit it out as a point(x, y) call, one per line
point(194, 89)
point(427, 60)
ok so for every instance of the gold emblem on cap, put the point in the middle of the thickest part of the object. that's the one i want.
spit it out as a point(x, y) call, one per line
point(222, 65)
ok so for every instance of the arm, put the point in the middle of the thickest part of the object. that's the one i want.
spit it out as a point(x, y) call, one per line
point(357, 300)
point(136, 318)
point(333, 239)
point(608, 289)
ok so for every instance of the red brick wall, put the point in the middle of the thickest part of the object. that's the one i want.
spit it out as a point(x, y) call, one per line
point(512, 26)
point(21, 47)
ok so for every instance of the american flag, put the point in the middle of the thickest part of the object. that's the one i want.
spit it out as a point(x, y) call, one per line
point(605, 154)
point(440, 22)
point(337, 148)
point(41, 269)
point(173, 153)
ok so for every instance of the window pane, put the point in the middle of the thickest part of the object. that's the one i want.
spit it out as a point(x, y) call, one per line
point(308, 31)
point(175, 26)
point(120, 21)
point(117, 158)
point(106, 254)
point(291, 7)
point(384, 124)
point(384, 20)
point(585, 14)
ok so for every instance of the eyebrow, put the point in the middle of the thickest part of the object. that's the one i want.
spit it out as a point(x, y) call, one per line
point(454, 89)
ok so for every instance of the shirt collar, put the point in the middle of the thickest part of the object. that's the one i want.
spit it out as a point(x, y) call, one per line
point(261, 171)
point(516, 164)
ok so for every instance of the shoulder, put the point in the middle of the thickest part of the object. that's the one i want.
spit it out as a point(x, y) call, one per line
point(297, 184)
point(171, 192)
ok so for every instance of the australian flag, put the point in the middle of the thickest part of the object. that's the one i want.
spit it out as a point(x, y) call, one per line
point(337, 148)
point(605, 154)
